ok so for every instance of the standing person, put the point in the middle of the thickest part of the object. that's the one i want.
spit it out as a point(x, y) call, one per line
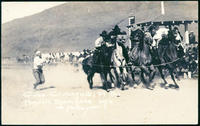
point(192, 38)
point(38, 63)
point(178, 38)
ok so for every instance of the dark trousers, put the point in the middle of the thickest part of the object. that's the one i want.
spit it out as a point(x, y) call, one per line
point(39, 76)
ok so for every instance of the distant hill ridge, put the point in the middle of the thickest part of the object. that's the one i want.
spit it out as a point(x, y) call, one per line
point(75, 25)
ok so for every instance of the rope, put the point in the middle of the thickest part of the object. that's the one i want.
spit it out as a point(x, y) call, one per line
point(112, 66)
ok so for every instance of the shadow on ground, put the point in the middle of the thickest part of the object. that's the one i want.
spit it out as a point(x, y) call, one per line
point(45, 88)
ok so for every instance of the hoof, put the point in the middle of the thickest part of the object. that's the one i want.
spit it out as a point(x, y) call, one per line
point(153, 85)
point(34, 86)
point(108, 90)
point(118, 96)
point(150, 88)
point(135, 86)
point(122, 87)
point(176, 86)
point(167, 85)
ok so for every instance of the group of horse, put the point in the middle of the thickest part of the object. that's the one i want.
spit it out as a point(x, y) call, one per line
point(144, 60)
point(23, 59)
point(74, 58)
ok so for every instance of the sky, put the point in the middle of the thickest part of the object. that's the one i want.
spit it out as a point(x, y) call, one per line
point(14, 10)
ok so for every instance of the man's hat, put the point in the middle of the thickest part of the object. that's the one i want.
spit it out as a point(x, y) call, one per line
point(115, 31)
point(135, 27)
point(103, 34)
point(175, 28)
point(37, 53)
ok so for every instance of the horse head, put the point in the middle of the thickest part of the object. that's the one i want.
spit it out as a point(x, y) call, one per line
point(137, 35)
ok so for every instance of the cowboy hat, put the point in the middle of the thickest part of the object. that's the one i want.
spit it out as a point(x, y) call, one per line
point(37, 53)
point(115, 31)
point(135, 27)
point(103, 34)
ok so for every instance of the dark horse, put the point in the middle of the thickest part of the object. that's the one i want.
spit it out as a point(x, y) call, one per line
point(165, 56)
point(99, 63)
point(141, 58)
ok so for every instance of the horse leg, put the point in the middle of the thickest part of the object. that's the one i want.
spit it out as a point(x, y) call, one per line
point(117, 83)
point(135, 83)
point(146, 79)
point(129, 77)
point(111, 77)
point(152, 73)
point(162, 76)
point(172, 76)
point(105, 81)
point(89, 78)
point(114, 77)
point(124, 76)
point(120, 78)
point(177, 68)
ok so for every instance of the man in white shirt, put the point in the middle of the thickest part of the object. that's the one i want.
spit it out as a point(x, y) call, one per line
point(159, 35)
point(98, 44)
point(38, 63)
point(101, 40)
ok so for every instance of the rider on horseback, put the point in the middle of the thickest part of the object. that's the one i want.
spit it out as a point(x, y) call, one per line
point(118, 36)
point(103, 39)
point(177, 38)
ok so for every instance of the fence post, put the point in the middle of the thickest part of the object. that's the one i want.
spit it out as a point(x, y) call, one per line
point(131, 21)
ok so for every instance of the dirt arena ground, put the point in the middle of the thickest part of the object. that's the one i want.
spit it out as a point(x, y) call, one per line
point(65, 98)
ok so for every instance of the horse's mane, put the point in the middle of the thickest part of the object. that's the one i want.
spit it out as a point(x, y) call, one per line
point(140, 53)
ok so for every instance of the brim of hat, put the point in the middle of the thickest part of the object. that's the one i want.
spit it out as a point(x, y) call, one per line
point(103, 34)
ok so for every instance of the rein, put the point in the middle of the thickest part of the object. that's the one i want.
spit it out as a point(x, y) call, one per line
point(136, 65)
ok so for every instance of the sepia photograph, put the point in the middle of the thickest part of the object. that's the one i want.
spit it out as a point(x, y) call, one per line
point(99, 62)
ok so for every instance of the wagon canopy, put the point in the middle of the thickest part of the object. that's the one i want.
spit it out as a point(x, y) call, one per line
point(167, 19)
point(176, 13)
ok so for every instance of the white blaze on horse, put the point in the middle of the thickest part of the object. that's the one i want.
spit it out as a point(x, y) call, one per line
point(119, 64)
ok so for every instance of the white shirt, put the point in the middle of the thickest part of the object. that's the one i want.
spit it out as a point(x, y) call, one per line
point(158, 36)
point(98, 42)
point(38, 62)
point(178, 37)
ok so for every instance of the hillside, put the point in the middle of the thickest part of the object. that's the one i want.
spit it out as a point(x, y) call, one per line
point(75, 25)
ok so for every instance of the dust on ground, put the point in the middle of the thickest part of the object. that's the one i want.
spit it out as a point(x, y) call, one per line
point(65, 98)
